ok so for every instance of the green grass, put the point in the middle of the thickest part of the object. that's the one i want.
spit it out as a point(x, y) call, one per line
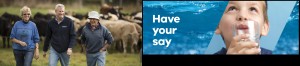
point(77, 58)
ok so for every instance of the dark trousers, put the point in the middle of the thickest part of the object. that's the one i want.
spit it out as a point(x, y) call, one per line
point(23, 57)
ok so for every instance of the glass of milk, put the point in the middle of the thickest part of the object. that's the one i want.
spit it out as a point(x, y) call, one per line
point(247, 27)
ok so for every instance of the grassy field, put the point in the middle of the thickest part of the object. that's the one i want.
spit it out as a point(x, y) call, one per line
point(77, 58)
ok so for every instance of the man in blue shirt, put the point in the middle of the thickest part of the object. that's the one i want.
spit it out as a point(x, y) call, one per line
point(95, 36)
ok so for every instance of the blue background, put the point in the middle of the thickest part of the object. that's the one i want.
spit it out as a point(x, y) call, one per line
point(199, 19)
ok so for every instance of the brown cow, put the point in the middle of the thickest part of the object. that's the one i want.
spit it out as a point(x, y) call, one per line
point(125, 32)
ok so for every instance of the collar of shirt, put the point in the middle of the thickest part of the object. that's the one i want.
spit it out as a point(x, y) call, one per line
point(25, 22)
point(58, 22)
point(90, 26)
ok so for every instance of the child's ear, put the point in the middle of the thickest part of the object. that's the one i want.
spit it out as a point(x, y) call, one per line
point(265, 28)
point(218, 31)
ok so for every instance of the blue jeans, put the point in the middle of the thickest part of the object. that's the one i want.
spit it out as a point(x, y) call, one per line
point(55, 56)
point(93, 58)
point(23, 57)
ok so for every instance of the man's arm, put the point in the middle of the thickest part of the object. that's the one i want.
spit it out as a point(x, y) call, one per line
point(108, 36)
point(72, 35)
point(109, 39)
point(48, 37)
point(72, 38)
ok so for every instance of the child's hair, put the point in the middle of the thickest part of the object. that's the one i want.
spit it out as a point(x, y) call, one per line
point(265, 8)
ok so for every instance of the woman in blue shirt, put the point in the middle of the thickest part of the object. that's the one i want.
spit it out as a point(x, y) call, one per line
point(25, 39)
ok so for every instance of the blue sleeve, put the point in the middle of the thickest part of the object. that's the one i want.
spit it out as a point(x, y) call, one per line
point(36, 37)
point(108, 36)
point(14, 31)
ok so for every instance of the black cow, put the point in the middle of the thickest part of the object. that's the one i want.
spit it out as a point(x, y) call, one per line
point(117, 11)
point(41, 22)
point(137, 16)
point(3, 30)
point(80, 16)
point(113, 10)
point(7, 22)
point(134, 14)
point(78, 39)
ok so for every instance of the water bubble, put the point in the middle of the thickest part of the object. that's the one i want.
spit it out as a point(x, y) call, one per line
point(192, 51)
point(295, 48)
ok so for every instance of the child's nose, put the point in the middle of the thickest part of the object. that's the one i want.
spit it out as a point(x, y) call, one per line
point(242, 17)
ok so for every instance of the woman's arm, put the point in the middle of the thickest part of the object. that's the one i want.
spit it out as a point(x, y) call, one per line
point(19, 42)
point(13, 36)
point(36, 51)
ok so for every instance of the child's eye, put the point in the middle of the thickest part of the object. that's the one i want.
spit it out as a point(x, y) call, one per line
point(232, 8)
point(253, 9)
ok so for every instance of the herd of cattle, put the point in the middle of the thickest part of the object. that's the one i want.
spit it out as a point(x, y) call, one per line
point(125, 28)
